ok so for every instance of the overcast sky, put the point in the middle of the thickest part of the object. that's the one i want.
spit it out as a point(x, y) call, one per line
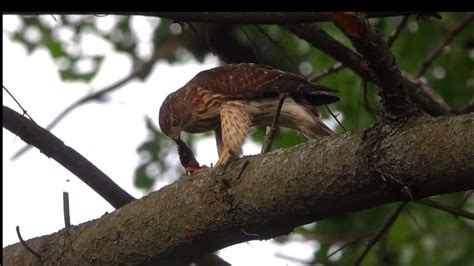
point(106, 134)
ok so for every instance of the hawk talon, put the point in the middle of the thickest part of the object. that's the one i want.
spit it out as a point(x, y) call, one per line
point(224, 157)
point(193, 170)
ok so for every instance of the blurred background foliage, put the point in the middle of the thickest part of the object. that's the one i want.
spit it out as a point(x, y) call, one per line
point(420, 236)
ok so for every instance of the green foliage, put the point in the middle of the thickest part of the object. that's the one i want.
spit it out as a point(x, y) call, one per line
point(443, 239)
point(152, 153)
point(420, 236)
point(36, 32)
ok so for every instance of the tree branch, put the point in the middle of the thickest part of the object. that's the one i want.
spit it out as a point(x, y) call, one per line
point(469, 107)
point(332, 69)
point(52, 147)
point(424, 96)
point(380, 233)
point(277, 192)
point(338, 66)
point(267, 17)
point(447, 208)
point(67, 215)
point(26, 245)
point(25, 113)
point(368, 41)
point(347, 244)
point(439, 48)
point(393, 37)
point(270, 135)
point(324, 42)
point(247, 17)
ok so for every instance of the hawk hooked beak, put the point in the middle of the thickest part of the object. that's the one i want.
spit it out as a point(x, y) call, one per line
point(176, 136)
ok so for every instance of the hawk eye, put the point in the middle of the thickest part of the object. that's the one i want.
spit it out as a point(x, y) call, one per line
point(175, 121)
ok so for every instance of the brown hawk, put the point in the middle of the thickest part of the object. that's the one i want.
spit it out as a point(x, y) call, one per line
point(232, 98)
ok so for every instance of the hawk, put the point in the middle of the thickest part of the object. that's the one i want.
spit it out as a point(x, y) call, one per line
point(232, 98)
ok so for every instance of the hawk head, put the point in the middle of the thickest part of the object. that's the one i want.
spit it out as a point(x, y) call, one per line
point(172, 117)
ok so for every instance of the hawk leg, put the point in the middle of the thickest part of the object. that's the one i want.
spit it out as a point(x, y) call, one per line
point(235, 123)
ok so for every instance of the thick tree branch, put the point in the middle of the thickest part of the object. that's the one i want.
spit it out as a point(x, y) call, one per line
point(267, 17)
point(420, 93)
point(273, 194)
point(391, 85)
point(52, 147)
point(248, 17)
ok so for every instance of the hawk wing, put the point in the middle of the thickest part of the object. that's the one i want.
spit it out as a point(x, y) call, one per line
point(255, 81)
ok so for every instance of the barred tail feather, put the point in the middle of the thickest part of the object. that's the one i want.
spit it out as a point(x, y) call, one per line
point(319, 129)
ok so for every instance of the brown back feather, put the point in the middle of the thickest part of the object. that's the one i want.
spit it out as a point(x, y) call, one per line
point(254, 81)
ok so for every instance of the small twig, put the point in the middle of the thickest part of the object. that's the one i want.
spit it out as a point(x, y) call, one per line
point(205, 41)
point(439, 48)
point(366, 100)
point(100, 15)
point(469, 107)
point(246, 162)
point(380, 233)
point(468, 194)
point(267, 142)
point(26, 245)
point(347, 244)
point(406, 191)
point(22, 109)
point(67, 216)
point(290, 59)
point(293, 259)
point(447, 208)
point(333, 69)
point(415, 221)
point(210, 260)
point(194, 30)
point(247, 233)
point(391, 39)
point(251, 43)
point(207, 32)
point(335, 117)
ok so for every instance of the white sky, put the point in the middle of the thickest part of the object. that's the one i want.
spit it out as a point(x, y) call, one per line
point(106, 134)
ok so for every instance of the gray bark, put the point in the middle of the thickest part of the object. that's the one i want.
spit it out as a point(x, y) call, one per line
point(260, 197)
